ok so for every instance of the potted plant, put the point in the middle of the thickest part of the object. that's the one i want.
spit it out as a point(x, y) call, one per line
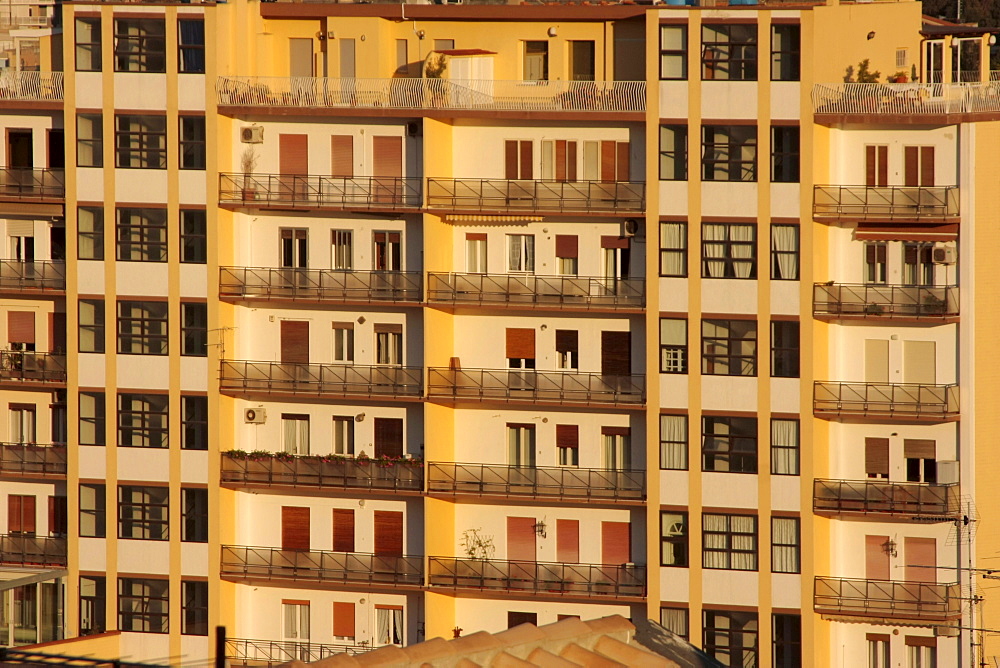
point(874, 309)
point(248, 163)
point(933, 305)
point(899, 77)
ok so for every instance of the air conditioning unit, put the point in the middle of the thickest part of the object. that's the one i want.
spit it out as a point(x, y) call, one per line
point(945, 255)
point(630, 228)
point(252, 134)
point(255, 415)
point(947, 631)
point(947, 472)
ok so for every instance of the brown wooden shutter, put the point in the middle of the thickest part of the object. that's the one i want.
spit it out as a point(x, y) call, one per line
point(343, 619)
point(293, 154)
point(388, 533)
point(343, 530)
point(342, 159)
point(57, 331)
point(919, 448)
point(927, 166)
point(295, 341)
point(21, 326)
point(567, 245)
point(568, 541)
point(57, 515)
point(521, 539)
point(387, 156)
point(876, 558)
point(870, 165)
point(614, 242)
point(388, 437)
point(567, 341)
point(609, 157)
point(14, 513)
point(623, 161)
point(520, 343)
point(615, 431)
point(883, 166)
point(294, 528)
point(877, 456)
point(560, 160)
point(919, 641)
point(28, 525)
point(527, 160)
point(616, 543)
point(571, 161)
point(920, 557)
point(616, 354)
point(911, 166)
point(388, 327)
point(567, 436)
point(475, 236)
point(510, 159)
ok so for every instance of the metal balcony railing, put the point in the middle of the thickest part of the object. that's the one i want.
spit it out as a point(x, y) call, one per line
point(906, 99)
point(330, 285)
point(25, 550)
point(322, 473)
point(31, 184)
point(550, 196)
point(17, 85)
point(887, 599)
point(569, 292)
point(32, 367)
point(903, 400)
point(879, 497)
point(885, 301)
point(33, 459)
point(550, 482)
point(312, 192)
point(243, 651)
point(271, 563)
point(889, 203)
point(37, 275)
point(604, 580)
point(432, 94)
point(321, 379)
point(534, 386)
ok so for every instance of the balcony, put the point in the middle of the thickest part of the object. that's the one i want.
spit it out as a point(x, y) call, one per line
point(887, 599)
point(904, 102)
point(310, 192)
point(28, 367)
point(245, 652)
point(32, 551)
point(32, 185)
point(31, 87)
point(556, 197)
point(889, 204)
point(532, 578)
point(909, 500)
point(31, 277)
point(33, 460)
point(907, 401)
point(432, 95)
point(318, 380)
point(526, 385)
point(573, 484)
point(328, 473)
point(529, 290)
point(318, 285)
point(908, 302)
point(255, 564)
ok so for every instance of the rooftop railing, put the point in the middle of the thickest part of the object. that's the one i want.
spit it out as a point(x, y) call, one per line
point(332, 285)
point(322, 472)
point(535, 195)
point(906, 99)
point(33, 459)
point(271, 563)
point(887, 599)
point(570, 292)
point(321, 379)
point(31, 184)
point(26, 550)
point(885, 203)
point(603, 580)
point(877, 497)
point(247, 652)
point(296, 191)
point(18, 85)
point(885, 301)
point(32, 367)
point(432, 94)
point(885, 400)
point(534, 386)
point(551, 482)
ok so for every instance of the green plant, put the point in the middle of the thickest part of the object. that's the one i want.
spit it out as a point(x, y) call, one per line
point(874, 309)
point(899, 77)
point(477, 545)
point(435, 69)
point(865, 75)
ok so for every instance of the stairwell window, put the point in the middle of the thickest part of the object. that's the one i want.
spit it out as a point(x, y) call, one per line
point(140, 45)
point(141, 235)
point(729, 444)
point(143, 605)
point(729, 152)
point(728, 52)
point(140, 141)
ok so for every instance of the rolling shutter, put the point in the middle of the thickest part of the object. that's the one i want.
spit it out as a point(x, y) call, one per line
point(616, 543)
point(919, 448)
point(57, 332)
point(387, 156)
point(567, 436)
point(877, 457)
point(342, 159)
point(388, 437)
point(911, 166)
point(609, 158)
point(293, 154)
point(294, 528)
point(927, 166)
point(876, 166)
point(568, 541)
point(615, 431)
point(20, 326)
point(877, 360)
point(520, 343)
point(560, 160)
point(343, 620)
point(521, 539)
point(388, 327)
point(28, 525)
point(876, 559)
point(294, 341)
point(510, 159)
point(870, 160)
point(623, 162)
point(57, 515)
point(14, 513)
point(567, 341)
point(526, 160)
point(343, 530)
point(567, 245)
point(616, 354)
point(920, 555)
point(388, 533)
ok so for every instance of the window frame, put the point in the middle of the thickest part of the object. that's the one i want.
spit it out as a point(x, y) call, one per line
point(729, 537)
point(142, 327)
point(724, 251)
point(779, 54)
point(192, 152)
point(194, 236)
point(183, 48)
point(674, 357)
point(94, 232)
point(137, 144)
point(684, 617)
point(786, 640)
point(194, 515)
point(727, 152)
point(786, 161)
point(194, 422)
point(792, 550)
point(144, 617)
point(777, 254)
point(96, 327)
point(194, 608)
point(737, 446)
point(93, 140)
point(681, 54)
point(93, 606)
point(786, 354)
point(143, 512)
point(738, 56)
point(99, 511)
point(143, 428)
point(678, 544)
point(99, 420)
point(138, 51)
point(141, 234)
point(792, 452)
point(93, 48)
point(738, 621)
point(674, 159)
point(734, 348)
point(681, 251)
point(681, 445)
point(194, 329)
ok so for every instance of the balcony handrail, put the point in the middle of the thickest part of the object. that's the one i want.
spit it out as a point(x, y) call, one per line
point(432, 94)
point(33, 458)
point(534, 385)
point(534, 289)
point(886, 598)
point(912, 499)
point(613, 580)
point(310, 190)
point(284, 651)
point(906, 99)
point(318, 379)
point(541, 481)
point(535, 195)
point(321, 565)
point(904, 203)
point(30, 550)
point(27, 184)
point(887, 301)
point(20, 85)
point(901, 399)
point(320, 284)
point(31, 366)
point(323, 472)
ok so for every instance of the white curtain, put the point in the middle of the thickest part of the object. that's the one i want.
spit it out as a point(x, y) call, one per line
point(673, 242)
point(715, 552)
point(382, 626)
point(714, 253)
point(673, 442)
point(743, 253)
point(514, 252)
point(529, 253)
point(785, 544)
point(288, 435)
point(303, 441)
point(785, 447)
point(744, 555)
point(784, 239)
point(397, 627)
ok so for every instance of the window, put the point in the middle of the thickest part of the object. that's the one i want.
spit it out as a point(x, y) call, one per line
point(784, 252)
point(568, 444)
point(902, 58)
point(567, 254)
point(90, 233)
point(194, 608)
point(921, 652)
point(22, 423)
point(143, 605)
point(194, 330)
point(785, 47)
point(295, 434)
point(673, 345)
point(343, 341)
point(444, 44)
point(673, 152)
point(475, 253)
point(673, 249)
point(673, 52)
point(729, 444)
point(140, 45)
point(728, 52)
point(729, 542)
point(140, 142)
point(784, 447)
point(92, 511)
point(295, 621)
point(342, 250)
point(142, 421)
point(729, 153)
point(89, 140)
point(91, 325)
point(784, 349)
point(88, 45)
point(142, 235)
point(521, 445)
point(617, 453)
point(567, 349)
point(918, 263)
point(194, 515)
point(143, 512)
point(388, 344)
point(674, 539)
point(675, 620)
point(192, 137)
point(521, 253)
point(93, 604)
point(191, 43)
point(343, 435)
point(536, 60)
point(730, 637)
point(729, 347)
point(194, 423)
point(674, 442)
point(21, 514)
point(785, 545)
point(728, 250)
point(558, 160)
point(786, 636)
point(921, 460)
point(142, 328)
point(784, 154)
point(388, 625)
point(194, 236)
point(878, 650)
point(92, 418)
point(875, 262)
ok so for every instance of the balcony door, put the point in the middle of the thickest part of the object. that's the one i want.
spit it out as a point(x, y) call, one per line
point(876, 166)
point(919, 362)
point(521, 450)
point(293, 251)
point(877, 558)
point(616, 354)
point(387, 169)
point(20, 332)
point(388, 254)
point(20, 151)
point(616, 543)
point(294, 342)
point(293, 165)
point(388, 533)
point(343, 530)
point(568, 541)
point(295, 528)
point(295, 627)
point(521, 539)
point(388, 437)
point(300, 57)
point(21, 515)
point(295, 433)
point(21, 240)
point(920, 555)
point(918, 166)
